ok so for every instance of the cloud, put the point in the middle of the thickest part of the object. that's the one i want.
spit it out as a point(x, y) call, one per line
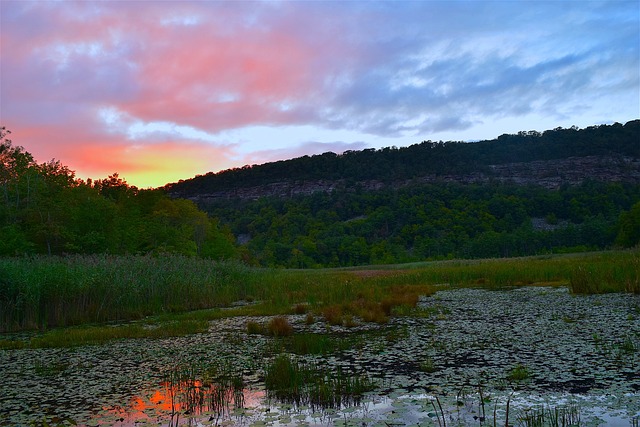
point(158, 74)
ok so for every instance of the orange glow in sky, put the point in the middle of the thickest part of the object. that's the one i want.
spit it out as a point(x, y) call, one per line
point(159, 91)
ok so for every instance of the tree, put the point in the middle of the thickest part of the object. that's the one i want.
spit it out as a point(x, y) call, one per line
point(629, 227)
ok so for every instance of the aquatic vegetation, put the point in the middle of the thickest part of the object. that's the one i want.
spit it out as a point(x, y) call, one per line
point(301, 308)
point(99, 334)
point(309, 319)
point(474, 347)
point(279, 326)
point(543, 416)
point(46, 292)
point(195, 389)
point(50, 369)
point(302, 384)
point(607, 277)
point(255, 328)
point(428, 365)
point(307, 343)
point(519, 373)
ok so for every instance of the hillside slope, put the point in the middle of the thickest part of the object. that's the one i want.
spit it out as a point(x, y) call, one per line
point(607, 153)
point(530, 193)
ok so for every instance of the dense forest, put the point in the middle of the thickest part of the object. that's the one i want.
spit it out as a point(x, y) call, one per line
point(427, 158)
point(422, 222)
point(45, 209)
point(352, 224)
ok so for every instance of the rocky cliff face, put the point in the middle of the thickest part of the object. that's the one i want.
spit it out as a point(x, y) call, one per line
point(549, 174)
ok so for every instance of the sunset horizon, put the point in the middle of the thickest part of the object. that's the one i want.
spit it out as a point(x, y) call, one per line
point(163, 91)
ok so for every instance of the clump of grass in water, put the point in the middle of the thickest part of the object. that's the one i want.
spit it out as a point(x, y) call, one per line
point(255, 328)
point(279, 327)
point(397, 300)
point(292, 382)
point(428, 366)
point(519, 373)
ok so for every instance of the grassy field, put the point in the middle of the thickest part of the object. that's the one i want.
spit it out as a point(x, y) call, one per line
point(50, 292)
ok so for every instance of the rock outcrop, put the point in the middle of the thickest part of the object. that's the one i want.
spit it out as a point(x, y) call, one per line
point(550, 174)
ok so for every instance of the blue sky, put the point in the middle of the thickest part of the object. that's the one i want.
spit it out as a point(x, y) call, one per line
point(164, 90)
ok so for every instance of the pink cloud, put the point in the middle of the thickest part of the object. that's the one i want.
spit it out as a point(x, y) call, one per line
point(381, 68)
point(202, 65)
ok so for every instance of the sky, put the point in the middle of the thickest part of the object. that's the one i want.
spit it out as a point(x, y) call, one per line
point(159, 91)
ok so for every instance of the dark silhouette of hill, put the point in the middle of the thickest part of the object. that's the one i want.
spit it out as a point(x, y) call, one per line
point(609, 153)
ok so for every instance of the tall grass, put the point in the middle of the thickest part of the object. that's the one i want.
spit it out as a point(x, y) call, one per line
point(612, 271)
point(45, 292)
point(308, 384)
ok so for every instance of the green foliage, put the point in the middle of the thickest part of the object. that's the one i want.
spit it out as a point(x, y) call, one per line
point(599, 278)
point(46, 292)
point(409, 221)
point(44, 209)
point(422, 222)
point(629, 227)
point(427, 158)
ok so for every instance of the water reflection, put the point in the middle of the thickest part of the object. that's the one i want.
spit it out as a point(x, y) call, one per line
point(184, 403)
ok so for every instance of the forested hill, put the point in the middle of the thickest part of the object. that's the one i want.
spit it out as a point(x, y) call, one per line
point(609, 153)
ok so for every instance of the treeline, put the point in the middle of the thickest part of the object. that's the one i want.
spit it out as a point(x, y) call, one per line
point(45, 209)
point(416, 223)
point(429, 157)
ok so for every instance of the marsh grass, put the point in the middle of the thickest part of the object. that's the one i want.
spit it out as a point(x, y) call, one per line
point(607, 277)
point(255, 328)
point(48, 292)
point(519, 373)
point(544, 416)
point(193, 389)
point(45, 292)
point(99, 334)
point(279, 326)
point(312, 385)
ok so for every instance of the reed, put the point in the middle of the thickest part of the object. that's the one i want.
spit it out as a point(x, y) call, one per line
point(306, 384)
point(47, 292)
point(99, 334)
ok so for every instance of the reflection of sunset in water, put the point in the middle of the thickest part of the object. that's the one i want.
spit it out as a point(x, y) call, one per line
point(178, 404)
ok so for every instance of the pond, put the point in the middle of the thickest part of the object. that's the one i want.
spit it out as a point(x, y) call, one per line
point(465, 357)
